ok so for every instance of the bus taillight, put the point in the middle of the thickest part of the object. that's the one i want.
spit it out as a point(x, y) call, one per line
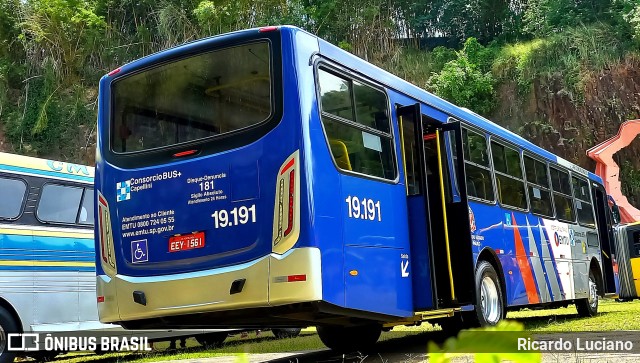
point(292, 182)
point(286, 228)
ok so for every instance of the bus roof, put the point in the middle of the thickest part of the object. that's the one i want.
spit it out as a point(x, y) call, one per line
point(27, 165)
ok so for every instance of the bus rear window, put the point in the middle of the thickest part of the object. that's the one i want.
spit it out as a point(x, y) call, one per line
point(190, 99)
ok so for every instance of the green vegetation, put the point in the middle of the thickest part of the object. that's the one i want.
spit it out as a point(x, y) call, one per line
point(466, 80)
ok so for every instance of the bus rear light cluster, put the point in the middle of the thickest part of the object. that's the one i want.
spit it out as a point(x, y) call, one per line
point(286, 227)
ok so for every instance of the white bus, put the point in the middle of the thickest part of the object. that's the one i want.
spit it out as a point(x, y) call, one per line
point(47, 254)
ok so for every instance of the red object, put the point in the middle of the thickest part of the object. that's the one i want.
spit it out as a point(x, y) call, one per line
point(289, 164)
point(524, 266)
point(296, 278)
point(268, 29)
point(292, 182)
point(608, 169)
point(114, 72)
point(184, 153)
point(186, 242)
point(100, 299)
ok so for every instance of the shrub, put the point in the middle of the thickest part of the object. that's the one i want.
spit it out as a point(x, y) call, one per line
point(462, 83)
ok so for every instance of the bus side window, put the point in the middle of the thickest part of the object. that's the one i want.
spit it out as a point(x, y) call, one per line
point(537, 176)
point(476, 161)
point(59, 204)
point(508, 171)
point(582, 198)
point(12, 195)
point(562, 198)
point(86, 209)
point(357, 126)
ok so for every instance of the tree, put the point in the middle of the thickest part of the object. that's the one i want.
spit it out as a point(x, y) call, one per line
point(485, 20)
point(462, 83)
point(543, 17)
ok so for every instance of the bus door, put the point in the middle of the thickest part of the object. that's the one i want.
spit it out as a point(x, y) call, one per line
point(438, 211)
point(605, 231)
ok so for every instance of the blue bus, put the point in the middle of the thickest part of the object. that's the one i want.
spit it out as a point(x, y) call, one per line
point(268, 178)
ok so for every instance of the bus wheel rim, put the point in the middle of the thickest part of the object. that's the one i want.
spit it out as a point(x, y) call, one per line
point(490, 301)
point(3, 340)
point(593, 294)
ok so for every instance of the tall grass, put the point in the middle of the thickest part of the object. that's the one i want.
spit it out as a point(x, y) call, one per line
point(568, 57)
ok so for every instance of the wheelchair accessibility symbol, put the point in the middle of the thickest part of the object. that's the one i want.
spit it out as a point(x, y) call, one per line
point(139, 251)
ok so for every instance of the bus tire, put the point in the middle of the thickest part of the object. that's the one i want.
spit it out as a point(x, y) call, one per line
point(349, 339)
point(282, 333)
point(489, 307)
point(212, 339)
point(589, 307)
point(7, 325)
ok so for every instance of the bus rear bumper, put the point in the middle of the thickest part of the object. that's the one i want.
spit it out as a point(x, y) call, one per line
point(271, 280)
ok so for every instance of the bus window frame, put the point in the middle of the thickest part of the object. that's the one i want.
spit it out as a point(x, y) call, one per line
point(546, 165)
point(480, 131)
point(72, 185)
point(205, 146)
point(450, 147)
point(585, 180)
point(24, 196)
point(513, 147)
point(340, 71)
point(91, 190)
point(568, 171)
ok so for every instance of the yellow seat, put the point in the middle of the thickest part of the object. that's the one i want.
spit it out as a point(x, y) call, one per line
point(340, 154)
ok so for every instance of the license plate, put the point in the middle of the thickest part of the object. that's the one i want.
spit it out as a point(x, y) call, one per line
point(186, 242)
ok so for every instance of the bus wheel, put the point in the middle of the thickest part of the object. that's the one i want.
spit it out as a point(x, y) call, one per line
point(212, 339)
point(589, 306)
point(7, 325)
point(490, 302)
point(349, 339)
point(286, 332)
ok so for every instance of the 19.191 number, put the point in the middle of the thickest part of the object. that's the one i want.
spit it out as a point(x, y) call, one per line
point(364, 208)
point(234, 217)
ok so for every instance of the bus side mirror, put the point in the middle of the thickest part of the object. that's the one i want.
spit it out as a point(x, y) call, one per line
point(615, 212)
